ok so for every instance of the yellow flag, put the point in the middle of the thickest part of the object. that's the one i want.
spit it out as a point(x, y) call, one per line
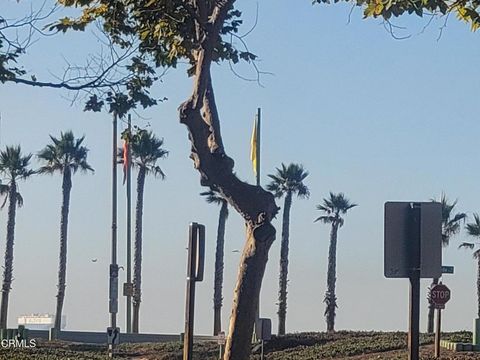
point(253, 150)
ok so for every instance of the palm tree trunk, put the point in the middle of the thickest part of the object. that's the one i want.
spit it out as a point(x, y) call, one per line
point(8, 267)
point(62, 267)
point(137, 257)
point(478, 287)
point(330, 297)
point(431, 311)
point(218, 281)
point(283, 278)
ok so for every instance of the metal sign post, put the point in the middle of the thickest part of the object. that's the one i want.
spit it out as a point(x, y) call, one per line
point(437, 333)
point(439, 294)
point(264, 332)
point(221, 342)
point(195, 269)
point(413, 250)
point(414, 320)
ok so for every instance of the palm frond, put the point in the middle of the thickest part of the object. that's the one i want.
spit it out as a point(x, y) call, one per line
point(466, 245)
point(4, 191)
point(14, 165)
point(459, 217)
point(476, 254)
point(303, 191)
point(473, 229)
point(50, 170)
point(156, 171)
point(335, 205)
point(26, 174)
point(64, 152)
point(323, 208)
point(146, 150)
point(276, 188)
point(289, 179)
point(213, 197)
point(450, 221)
point(19, 200)
point(325, 219)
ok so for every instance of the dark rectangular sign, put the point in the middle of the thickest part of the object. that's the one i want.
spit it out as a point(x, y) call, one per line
point(398, 239)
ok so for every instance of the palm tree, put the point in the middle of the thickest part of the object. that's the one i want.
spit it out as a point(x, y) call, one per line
point(66, 156)
point(214, 198)
point(473, 229)
point(333, 207)
point(14, 166)
point(450, 227)
point(287, 181)
point(146, 149)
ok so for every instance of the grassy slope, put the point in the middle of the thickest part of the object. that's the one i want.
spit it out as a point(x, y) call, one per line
point(304, 346)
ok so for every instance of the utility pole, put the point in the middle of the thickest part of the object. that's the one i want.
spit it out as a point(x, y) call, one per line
point(129, 226)
point(112, 331)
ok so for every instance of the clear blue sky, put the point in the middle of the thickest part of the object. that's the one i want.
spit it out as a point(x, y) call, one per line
point(376, 118)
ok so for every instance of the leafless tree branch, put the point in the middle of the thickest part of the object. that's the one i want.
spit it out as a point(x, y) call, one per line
point(390, 27)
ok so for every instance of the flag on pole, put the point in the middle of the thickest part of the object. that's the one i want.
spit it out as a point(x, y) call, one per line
point(253, 148)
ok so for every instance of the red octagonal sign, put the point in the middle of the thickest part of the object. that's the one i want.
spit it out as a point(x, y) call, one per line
point(440, 294)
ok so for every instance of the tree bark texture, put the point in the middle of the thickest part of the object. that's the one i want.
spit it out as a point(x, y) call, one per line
point(330, 296)
point(255, 205)
point(137, 257)
point(218, 280)
point(8, 267)
point(283, 277)
point(247, 290)
point(62, 266)
point(431, 310)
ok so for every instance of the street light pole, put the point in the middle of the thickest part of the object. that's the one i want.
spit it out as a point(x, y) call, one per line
point(129, 226)
point(113, 290)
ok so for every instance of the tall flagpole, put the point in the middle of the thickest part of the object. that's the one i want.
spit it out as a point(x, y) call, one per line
point(129, 227)
point(113, 290)
point(257, 155)
point(258, 119)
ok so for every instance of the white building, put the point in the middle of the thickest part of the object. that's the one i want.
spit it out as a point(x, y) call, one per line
point(39, 321)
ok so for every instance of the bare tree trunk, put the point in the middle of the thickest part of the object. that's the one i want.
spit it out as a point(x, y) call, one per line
point(283, 278)
point(257, 206)
point(218, 281)
point(330, 296)
point(62, 268)
point(247, 290)
point(137, 265)
point(8, 267)
point(431, 310)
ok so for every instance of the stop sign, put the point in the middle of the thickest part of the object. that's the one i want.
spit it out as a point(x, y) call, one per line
point(440, 294)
